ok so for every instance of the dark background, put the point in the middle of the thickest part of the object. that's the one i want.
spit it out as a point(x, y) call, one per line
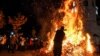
point(29, 8)
point(32, 9)
point(98, 4)
point(12, 7)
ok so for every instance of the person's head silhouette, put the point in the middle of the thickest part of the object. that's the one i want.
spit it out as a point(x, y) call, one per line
point(62, 28)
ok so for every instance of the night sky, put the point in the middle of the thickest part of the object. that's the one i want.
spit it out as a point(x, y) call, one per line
point(12, 7)
point(29, 8)
point(32, 9)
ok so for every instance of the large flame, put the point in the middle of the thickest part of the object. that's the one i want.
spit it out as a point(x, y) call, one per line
point(75, 36)
point(77, 42)
point(73, 23)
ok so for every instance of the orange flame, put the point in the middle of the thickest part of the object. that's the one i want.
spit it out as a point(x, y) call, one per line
point(89, 45)
point(51, 36)
point(73, 22)
point(76, 41)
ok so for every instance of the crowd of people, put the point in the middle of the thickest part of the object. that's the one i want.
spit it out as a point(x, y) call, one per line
point(20, 42)
point(13, 38)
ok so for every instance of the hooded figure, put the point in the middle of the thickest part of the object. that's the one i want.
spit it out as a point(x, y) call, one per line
point(58, 42)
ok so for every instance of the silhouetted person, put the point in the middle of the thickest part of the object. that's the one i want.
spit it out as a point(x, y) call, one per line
point(12, 45)
point(58, 42)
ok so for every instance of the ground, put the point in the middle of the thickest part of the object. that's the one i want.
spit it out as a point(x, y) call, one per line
point(17, 53)
point(25, 53)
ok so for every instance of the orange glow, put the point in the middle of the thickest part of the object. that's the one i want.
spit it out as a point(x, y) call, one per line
point(75, 35)
point(89, 45)
point(51, 36)
point(50, 43)
point(3, 41)
point(2, 21)
point(73, 23)
point(76, 41)
point(20, 20)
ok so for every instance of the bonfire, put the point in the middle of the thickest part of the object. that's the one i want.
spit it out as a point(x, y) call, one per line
point(77, 41)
